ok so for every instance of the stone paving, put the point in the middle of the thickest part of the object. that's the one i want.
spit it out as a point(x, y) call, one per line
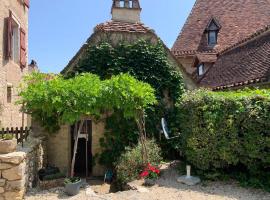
point(166, 188)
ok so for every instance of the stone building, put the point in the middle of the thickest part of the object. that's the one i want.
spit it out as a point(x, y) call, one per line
point(225, 43)
point(125, 26)
point(13, 59)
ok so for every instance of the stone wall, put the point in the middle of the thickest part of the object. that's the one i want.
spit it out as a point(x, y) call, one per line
point(10, 72)
point(18, 170)
point(13, 179)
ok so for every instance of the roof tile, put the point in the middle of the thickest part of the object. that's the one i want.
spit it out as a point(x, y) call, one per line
point(238, 18)
point(118, 26)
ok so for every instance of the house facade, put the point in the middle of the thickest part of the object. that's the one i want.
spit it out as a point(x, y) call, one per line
point(125, 26)
point(220, 38)
point(13, 59)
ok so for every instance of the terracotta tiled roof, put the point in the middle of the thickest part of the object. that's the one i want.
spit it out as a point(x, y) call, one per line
point(207, 57)
point(245, 63)
point(237, 18)
point(117, 26)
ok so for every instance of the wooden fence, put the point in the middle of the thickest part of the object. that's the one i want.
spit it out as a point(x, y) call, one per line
point(20, 134)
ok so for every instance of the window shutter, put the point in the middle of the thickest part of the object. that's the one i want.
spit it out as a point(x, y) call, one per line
point(27, 3)
point(22, 48)
point(9, 36)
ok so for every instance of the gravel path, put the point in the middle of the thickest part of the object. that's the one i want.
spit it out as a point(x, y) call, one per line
point(166, 189)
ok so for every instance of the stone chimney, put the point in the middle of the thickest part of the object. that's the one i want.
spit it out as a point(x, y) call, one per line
point(33, 67)
point(126, 11)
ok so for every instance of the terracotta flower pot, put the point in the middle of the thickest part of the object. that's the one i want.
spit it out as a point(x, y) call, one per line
point(8, 146)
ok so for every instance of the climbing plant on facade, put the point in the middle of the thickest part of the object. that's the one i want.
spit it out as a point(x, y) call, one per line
point(54, 100)
point(147, 62)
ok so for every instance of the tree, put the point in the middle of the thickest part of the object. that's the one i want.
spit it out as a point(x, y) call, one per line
point(54, 100)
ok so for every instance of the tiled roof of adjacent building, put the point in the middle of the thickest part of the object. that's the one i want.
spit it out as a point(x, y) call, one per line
point(118, 26)
point(246, 62)
point(237, 18)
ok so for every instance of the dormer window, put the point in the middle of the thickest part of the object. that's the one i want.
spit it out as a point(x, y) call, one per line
point(212, 37)
point(200, 69)
point(212, 32)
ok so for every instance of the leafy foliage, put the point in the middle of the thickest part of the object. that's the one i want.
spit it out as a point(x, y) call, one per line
point(227, 131)
point(53, 100)
point(147, 62)
point(130, 164)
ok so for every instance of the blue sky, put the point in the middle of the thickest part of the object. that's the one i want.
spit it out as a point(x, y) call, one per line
point(58, 28)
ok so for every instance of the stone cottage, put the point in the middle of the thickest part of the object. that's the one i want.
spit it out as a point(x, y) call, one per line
point(13, 59)
point(225, 44)
point(125, 25)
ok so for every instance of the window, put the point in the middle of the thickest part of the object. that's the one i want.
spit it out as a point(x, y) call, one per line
point(200, 69)
point(122, 4)
point(212, 37)
point(9, 94)
point(16, 41)
point(130, 4)
point(212, 30)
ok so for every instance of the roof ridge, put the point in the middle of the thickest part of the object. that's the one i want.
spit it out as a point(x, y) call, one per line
point(255, 34)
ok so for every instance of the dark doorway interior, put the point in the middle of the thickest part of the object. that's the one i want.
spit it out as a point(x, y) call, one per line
point(83, 149)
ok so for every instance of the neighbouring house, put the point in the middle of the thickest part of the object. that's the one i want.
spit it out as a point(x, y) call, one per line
point(13, 59)
point(125, 26)
point(226, 44)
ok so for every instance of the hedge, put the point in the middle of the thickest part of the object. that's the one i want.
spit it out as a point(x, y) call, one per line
point(226, 130)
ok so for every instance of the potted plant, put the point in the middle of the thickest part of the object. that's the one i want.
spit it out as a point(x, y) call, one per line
point(7, 144)
point(72, 185)
point(150, 175)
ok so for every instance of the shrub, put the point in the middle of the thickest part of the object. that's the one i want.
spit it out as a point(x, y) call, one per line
point(130, 164)
point(225, 130)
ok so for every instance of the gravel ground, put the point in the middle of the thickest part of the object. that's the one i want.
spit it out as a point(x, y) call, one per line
point(166, 188)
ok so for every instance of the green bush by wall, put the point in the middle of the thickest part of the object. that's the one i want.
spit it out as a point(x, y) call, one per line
point(227, 131)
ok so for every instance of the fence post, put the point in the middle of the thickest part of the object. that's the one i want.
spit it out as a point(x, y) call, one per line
point(21, 135)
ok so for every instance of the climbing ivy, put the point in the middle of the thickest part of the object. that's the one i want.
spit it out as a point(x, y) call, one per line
point(145, 61)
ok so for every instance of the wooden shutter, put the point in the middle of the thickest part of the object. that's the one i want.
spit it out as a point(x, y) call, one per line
point(27, 3)
point(22, 48)
point(9, 36)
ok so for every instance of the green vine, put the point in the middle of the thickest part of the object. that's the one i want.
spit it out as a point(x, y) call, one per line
point(147, 62)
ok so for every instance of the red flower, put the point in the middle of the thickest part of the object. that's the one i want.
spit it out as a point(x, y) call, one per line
point(144, 174)
point(150, 167)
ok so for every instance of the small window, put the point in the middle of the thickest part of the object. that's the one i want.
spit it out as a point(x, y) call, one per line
point(212, 37)
point(212, 30)
point(122, 4)
point(130, 4)
point(9, 94)
point(201, 69)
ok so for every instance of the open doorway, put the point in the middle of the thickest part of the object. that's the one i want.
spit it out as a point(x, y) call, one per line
point(83, 163)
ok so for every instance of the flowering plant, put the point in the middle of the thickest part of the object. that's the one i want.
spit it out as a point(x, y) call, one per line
point(150, 172)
